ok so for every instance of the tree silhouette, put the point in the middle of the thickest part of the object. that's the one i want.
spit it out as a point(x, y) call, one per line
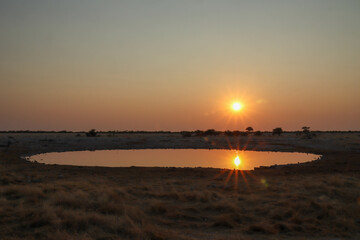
point(306, 129)
point(277, 131)
point(91, 133)
point(249, 129)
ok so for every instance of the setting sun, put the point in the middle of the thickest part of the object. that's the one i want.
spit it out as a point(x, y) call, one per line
point(237, 106)
point(237, 161)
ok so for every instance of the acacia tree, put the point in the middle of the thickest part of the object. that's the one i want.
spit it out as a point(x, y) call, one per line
point(306, 129)
point(277, 131)
point(249, 129)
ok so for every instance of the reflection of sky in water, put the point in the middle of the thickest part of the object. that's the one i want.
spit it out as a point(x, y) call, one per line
point(247, 160)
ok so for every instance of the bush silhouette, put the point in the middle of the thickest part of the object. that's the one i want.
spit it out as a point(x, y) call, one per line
point(199, 133)
point(186, 134)
point(236, 133)
point(308, 134)
point(249, 129)
point(211, 132)
point(258, 133)
point(306, 129)
point(91, 133)
point(228, 133)
point(277, 131)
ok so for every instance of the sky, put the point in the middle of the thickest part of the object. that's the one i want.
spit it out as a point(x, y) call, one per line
point(179, 65)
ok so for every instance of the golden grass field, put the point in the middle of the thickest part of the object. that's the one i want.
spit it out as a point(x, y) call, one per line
point(317, 200)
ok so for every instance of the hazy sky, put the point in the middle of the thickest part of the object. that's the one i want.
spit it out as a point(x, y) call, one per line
point(178, 65)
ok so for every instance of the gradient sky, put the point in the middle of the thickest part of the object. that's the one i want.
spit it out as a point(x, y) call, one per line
point(178, 65)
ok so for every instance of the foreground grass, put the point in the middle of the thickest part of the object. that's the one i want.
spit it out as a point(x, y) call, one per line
point(59, 202)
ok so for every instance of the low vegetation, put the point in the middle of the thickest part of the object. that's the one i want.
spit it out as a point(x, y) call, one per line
point(258, 133)
point(316, 200)
point(277, 131)
point(57, 202)
point(91, 133)
point(186, 134)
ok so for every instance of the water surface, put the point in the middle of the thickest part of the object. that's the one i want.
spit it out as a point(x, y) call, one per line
point(173, 158)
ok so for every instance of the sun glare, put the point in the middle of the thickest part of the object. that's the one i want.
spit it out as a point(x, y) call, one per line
point(237, 106)
point(237, 161)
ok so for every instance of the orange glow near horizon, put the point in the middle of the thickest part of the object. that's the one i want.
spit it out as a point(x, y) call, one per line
point(234, 111)
point(179, 65)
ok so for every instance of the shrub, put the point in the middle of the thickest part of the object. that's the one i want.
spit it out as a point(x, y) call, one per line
point(244, 134)
point(185, 134)
point(211, 132)
point(258, 133)
point(306, 129)
point(236, 133)
point(228, 133)
point(91, 133)
point(199, 133)
point(277, 131)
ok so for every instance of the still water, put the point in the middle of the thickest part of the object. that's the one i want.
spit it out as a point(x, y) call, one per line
point(230, 159)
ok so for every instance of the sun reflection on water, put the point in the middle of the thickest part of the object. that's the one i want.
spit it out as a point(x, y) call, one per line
point(237, 161)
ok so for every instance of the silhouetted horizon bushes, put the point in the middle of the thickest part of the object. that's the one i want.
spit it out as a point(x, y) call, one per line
point(194, 133)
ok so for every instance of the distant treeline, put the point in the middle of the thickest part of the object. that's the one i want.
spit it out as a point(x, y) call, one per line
point(38, 131)
point(64, 131)
point(196, 132)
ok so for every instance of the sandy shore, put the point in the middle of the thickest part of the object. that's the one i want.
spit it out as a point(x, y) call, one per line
point(317, 200)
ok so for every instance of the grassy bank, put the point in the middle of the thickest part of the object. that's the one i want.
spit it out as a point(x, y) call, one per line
point(312, 201)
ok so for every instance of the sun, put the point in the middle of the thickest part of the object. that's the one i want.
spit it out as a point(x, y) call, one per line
point(237, 161)
point(236, 106)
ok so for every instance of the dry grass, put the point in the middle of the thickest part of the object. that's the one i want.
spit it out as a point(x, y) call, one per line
point(58, 202)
